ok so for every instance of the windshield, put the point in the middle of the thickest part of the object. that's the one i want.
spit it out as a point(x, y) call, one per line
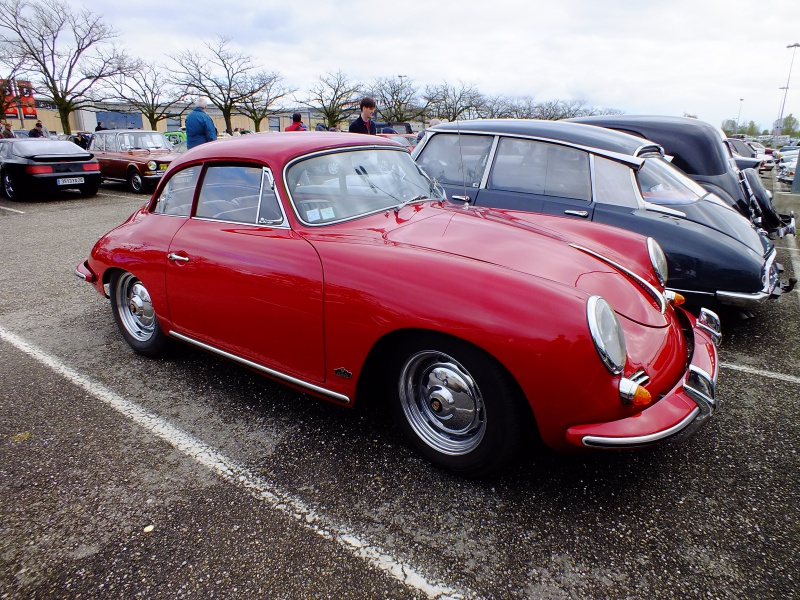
point(143, 140)
point(346, 184)
point(661, 183)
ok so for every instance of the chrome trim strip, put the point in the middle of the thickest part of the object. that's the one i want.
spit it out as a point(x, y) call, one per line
point(263, 369)
point(664, 209)
point(79, 275)
point(489, 162)
point(657, 295)
point(612, 442)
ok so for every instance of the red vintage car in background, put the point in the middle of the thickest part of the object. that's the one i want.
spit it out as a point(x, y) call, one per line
point(331, 262)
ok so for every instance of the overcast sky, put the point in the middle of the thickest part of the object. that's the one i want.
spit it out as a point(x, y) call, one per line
point(699, 57)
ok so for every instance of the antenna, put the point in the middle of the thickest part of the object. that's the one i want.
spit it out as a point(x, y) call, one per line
point(463, 167)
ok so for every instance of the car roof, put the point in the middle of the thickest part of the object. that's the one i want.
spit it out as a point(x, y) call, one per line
point(280, 146)
point(696, 146)
point(572, 133)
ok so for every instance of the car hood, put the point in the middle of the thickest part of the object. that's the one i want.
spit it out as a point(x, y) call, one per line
point(712, 212)
point(524, 243)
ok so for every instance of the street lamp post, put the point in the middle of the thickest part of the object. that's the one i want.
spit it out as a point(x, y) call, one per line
point(739, 116)
point(794, 48)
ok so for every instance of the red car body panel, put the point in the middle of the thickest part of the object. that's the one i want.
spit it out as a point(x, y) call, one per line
point(312, 302)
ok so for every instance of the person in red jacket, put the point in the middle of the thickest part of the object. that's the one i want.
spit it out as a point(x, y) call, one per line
point(297, 123)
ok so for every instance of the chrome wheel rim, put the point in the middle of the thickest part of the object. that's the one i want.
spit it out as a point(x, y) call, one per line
point(135, 308)
point(8, 186)
point(136, 182)
point(442, 403)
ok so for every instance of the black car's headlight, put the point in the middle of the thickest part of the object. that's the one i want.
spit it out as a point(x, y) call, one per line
point(659, 260)
point(152, 165)
point(607, 334)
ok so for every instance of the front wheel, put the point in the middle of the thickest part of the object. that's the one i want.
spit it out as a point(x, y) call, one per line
point(135, 315)
point(457, 406)
point(135, 182)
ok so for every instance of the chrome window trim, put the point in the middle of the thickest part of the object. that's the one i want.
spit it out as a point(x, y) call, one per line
point(664, 210)
point(489, 162)
point(262, 368)
point(651, 289)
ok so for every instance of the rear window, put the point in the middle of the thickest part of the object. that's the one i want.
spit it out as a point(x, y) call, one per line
point(37, 146)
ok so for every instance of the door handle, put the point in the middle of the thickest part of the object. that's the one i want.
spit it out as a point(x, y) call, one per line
point(461, 198)
point(176, 257)
point(577, 213)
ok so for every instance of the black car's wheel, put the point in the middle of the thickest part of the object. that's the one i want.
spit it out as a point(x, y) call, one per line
point(87, 191)
point(135, 181)
point(135, 315)
point(456, 405)
point(10, 188)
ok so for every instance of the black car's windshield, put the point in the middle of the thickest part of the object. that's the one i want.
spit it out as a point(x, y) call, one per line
point(345, 184)
point(661, 183)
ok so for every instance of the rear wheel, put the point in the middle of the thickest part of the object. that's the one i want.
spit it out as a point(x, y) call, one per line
point(456, 405)
point(10, 188)
point(135, 181)
point(135, 315)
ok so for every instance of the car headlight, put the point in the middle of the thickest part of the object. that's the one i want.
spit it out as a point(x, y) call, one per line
point(152, 165)
point(659, 260)
point(607, 334)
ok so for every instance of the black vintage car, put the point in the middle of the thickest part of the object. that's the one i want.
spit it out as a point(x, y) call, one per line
point(37, 166)
point(699, 150)
point(714, 254)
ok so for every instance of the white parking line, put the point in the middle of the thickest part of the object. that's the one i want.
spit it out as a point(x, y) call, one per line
point(241, 477)
point(14, 210)
point(761, 373)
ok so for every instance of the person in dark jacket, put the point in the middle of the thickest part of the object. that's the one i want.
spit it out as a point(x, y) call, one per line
point(364, 122)
point(199, 126)
point(36, 131)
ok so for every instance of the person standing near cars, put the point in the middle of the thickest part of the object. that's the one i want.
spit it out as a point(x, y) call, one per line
point(199, 126)
point(297, 123)
point(7, 133)
point(364, 122)
point(36, 132)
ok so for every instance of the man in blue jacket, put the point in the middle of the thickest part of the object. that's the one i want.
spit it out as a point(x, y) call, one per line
point(199, 126)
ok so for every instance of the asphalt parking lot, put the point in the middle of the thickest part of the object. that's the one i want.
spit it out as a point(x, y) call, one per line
point(124, 477)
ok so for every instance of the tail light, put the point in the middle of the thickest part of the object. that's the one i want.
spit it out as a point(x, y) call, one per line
point(38, 169)
point(91, 166)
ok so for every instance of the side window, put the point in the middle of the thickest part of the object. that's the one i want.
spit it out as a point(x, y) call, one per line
point(540, 168)
point(230, 193)
point(111, 143)
point(97, 142)
point(456, 159)
point(177, 195)
point(614, 183)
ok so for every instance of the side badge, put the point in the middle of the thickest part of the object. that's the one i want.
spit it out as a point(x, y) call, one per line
point(342, 372)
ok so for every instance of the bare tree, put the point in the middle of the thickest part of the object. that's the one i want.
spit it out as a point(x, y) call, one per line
point(334, 96)
point(397, 98)
point(220, 73)
point(262, 105)
point(496, 107)
point(445, 101)
point(66, 50)
point(148, 91)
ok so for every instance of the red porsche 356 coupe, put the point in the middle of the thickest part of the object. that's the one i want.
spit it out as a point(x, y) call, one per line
point(331, 262)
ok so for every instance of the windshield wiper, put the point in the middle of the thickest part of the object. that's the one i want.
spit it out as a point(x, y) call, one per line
point(404, 203)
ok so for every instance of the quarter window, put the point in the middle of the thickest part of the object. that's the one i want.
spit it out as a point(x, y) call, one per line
point(540, 168)
point(614, 183)
point(177, 195)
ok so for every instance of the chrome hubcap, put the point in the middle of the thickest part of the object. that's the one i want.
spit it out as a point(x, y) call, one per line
point(135, 308)
point(442, 403)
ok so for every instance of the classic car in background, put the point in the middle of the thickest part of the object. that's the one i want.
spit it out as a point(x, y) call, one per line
point(406, 139)
point(715, 255)
point(698, 149)
point(30, 167)
point(175, 137)
point(138, 157)
point(332, 263)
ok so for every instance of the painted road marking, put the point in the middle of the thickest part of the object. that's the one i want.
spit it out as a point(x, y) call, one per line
point(241, 477)
point(14, 210)
point(761, 373)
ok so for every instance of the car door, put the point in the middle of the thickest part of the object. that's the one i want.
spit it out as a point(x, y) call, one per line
point(240, 280)
point(537, 176)
point(457, 162)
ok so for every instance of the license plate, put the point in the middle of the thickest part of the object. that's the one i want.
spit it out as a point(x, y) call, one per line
point(69, 180)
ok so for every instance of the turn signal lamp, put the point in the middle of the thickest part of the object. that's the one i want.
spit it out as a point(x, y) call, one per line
point(630, 392)
point(674, 297)
point(641, 397)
